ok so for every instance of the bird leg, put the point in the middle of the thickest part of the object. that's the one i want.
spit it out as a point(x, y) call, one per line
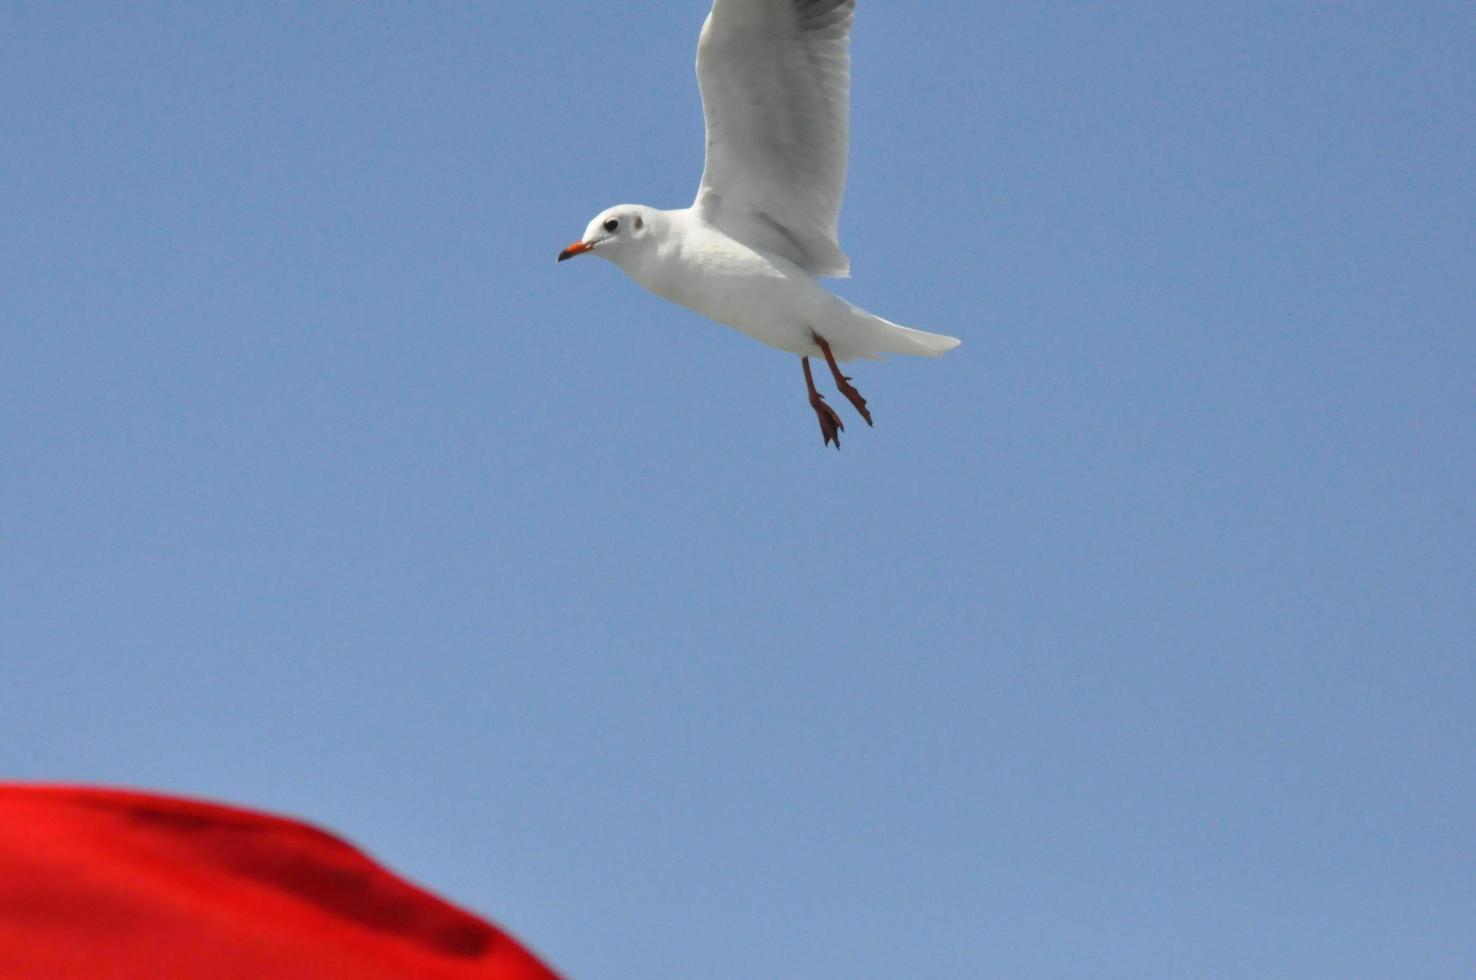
point(830, 423)
point(842, 383)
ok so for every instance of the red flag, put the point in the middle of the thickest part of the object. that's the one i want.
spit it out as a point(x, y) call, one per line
point(110, 885)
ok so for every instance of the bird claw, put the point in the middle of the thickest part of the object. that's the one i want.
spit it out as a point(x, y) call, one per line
point(843, 385)
point(831, 425)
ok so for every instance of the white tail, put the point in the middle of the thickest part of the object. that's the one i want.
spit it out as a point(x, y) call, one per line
point(871, 335)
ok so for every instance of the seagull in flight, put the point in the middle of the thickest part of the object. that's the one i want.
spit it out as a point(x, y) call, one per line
point(775, 77)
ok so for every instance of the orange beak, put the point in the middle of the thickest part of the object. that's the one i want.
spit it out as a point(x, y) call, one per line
point(574, 250)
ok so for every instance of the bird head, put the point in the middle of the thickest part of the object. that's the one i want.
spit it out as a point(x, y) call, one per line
point(612, 233)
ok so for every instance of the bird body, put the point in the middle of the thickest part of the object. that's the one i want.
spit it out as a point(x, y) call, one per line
point(681, 258)
point(775, 81)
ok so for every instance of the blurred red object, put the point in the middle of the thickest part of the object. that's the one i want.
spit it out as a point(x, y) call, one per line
point(106, 885)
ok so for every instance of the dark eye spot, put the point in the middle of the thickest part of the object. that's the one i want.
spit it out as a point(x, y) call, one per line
point(611, 225)
point(639, 223)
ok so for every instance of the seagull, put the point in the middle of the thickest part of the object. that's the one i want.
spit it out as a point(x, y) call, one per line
point(775, 77)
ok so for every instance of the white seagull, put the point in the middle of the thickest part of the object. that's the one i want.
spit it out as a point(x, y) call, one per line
point(775, 77)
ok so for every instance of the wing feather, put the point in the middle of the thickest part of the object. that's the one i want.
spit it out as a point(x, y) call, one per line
point(775, 77)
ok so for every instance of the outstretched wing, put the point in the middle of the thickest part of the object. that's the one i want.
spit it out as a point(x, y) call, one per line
point(776, 89)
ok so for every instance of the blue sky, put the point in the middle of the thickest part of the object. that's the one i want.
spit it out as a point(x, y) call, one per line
point(1135, 640)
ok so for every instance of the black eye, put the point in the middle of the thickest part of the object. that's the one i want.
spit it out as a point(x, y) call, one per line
point(611, 225)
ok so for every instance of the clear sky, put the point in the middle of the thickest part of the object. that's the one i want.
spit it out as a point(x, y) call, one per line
point(1135, 640)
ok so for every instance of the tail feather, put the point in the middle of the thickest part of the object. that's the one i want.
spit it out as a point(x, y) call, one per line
point(874, 336)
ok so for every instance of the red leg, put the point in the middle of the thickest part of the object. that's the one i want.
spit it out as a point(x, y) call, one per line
point(830, 423)
point(843, 383)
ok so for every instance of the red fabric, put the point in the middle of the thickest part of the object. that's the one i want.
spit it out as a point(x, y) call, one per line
point(111, 885)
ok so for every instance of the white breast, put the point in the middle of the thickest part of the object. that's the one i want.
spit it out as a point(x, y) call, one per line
point(766, 297)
